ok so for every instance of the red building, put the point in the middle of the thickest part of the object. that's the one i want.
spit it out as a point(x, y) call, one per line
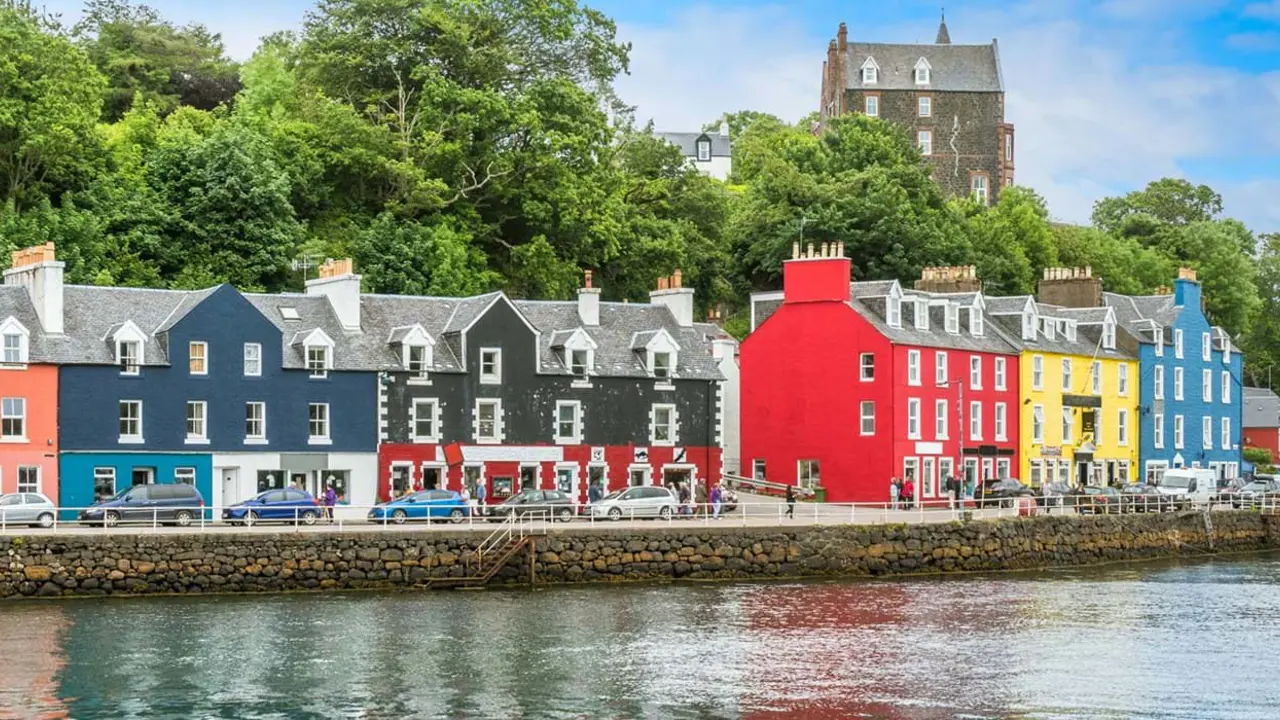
point(1262, 420)
point(846, 385)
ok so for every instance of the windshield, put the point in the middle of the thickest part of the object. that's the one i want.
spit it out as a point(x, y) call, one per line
point(614, 495)
point(1175, 482)
point(122, 494)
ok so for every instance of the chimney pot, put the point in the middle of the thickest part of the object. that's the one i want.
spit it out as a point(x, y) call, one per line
point(662, 283)
point(795, 251)
point(586, 278)
point(810, 251)
point(677, 279)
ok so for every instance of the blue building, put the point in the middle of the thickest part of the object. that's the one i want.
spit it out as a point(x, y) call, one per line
point(1191, 389)
point(233, 393)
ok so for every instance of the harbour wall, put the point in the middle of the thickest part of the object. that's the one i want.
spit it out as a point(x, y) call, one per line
point(137, 564)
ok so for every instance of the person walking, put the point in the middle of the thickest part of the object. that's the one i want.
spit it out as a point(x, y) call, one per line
point(791, 502)
point(480, 496)
point(716, 494)
point(700, 499)
point(330, 499)
point(684, 499)
point(949, 487)
point(909, 493)
point(593, 493)
point(894, 492)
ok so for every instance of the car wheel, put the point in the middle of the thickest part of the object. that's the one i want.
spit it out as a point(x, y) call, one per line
point(45, 520)
point(110, 518)
point(183, 518)
point(309, 517)
point(399, 516)
point(250, 518)
point(456, 516)
point(665, 512)
point(564, 514)
point(615, 513)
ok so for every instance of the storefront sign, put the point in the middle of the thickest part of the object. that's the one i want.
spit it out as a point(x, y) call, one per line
point(928, 448)
point(1051, 452)
point(1086, 401)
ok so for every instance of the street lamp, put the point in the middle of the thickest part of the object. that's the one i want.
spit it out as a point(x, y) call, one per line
point(959, 383)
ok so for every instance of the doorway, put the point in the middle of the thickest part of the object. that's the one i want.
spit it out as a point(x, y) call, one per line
point(675, 478)
point(230, 486)
point(1082, 472)
point(432, 478)
point(596, 476)
point(144, 475)
point(528, 478)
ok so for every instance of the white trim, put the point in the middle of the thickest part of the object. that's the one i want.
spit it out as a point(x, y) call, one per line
point(499, 424)
point(326, 438)
point(260, 439)
point(640, 467)
point(22, 417)
point(575, 438)
point(495, 377)
point(577, 491)
point(11, 326)
point(134, 439)
point(204, 358)
point(201, 438)
point(673, 427)
point(524, 454)
point(245, 360)
point(434, 437)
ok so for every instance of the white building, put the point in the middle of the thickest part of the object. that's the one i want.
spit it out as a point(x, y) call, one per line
point(709, 152)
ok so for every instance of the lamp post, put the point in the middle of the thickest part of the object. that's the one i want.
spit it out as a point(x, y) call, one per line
point(959, 383)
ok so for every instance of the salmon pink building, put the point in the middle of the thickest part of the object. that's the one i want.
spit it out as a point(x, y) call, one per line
point(847, 385)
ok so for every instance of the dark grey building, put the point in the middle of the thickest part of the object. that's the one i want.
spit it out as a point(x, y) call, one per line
point(949, 97)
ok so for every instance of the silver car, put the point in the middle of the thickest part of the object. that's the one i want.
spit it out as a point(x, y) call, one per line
point(26, 509)
point(642, 502)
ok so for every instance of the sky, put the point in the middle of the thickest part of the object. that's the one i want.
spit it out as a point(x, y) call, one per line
point(1105, 95)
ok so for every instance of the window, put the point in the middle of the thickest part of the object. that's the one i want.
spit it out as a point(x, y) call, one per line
point(1177, 344)
point(184, 475)
point(28, 479)
point(1069, 330)
point(1068, 425)
point(1001, 416)
point(1157, 335)
point(318, 416)
point(758, 469)
point(1226, 434)
point(128, 352)
point(913, 367)
point(12, 349)
point(1206, 385)
point(417, 359)
point(1037, 473)
point(104, 483)
point(704, 150)
point(488, 420)
point(13, 418)
point(1122, 427)
point(1002, 468)
point(1096, 416)
point(1177, 431)
point(867, 415)
point(866, 367)
point(1050, 329)
point(978, 188)
point(1122, 379)
point(976, 324)
point(870, 73)
point(490, 366)
point(1157, 380)
point(252, 359)
point(1157, 430)
point(664, 425)
point(130, 421)
point(1066, 374)
point(941, 376)
point(1095, 377)
point(913, 418)
point(925, 106)
point(1177, 383)
point(952, 316)
point(1028, 326)
point(1037, 372)
point(1206, 432)
point(1037, 424)
point(579, 363)
point(922, 74)
point(255, 421)
point(198, 358)
point(975, 372)
point(1000, 373)
point(424, 420)
point(1226, 386)
point(1206, 347)
point(1109, 336)
point(924, 138)
point(975, 421)
point(893, 312)
point(196, 416)
point(662, 364)
point(808, 474)
point(940, 419)
point(318, 361)
point(872, 105)
point(1226, 349)
point(1008, 147)
point(922, 315)
point(569, 421)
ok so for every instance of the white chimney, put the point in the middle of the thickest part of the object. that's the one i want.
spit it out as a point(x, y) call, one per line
point(678, 299)
point(40, 273)
point(588, 301)
point(341, 285)
point(724, 128)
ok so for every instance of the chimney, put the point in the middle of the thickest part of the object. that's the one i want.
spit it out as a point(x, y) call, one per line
point(677, 298)
point(950, 279)
point(1070, 287)
point(842, 39)
point(588, 301)
point(341, 285)
point(812, 275)
point(724, 128)
point(36, 269)
point(1186, 289)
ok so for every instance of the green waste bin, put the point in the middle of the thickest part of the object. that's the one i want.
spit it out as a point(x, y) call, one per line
point(820, 494)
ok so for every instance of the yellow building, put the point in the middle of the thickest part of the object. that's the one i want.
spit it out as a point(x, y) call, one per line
point(1078, 385)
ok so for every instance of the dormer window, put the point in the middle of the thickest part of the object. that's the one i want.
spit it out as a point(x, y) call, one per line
point(1157, 337)
point(953, 319)
point(870, 72)
point(129, 353)
point(659, 353)
point(1109, 335)
point(976, 325)
point(922, 315)
point(923, 72)
point(12, 350)
point(317, 351)
point(417, 359)
point(893, 312)
point(1070, 330)
point(662, 364)
point(13, 342)
point(414, 346)
point(580, 362)
point(1028, 326)
point(1050, 329)
point(704, 150)
point(318, 361)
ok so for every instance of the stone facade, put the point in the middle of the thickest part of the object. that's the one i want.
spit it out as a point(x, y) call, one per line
point(91, 564)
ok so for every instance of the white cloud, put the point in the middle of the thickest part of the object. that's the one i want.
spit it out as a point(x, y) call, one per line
point(1255, 41)
point(1265, 10)
point(1098, 111)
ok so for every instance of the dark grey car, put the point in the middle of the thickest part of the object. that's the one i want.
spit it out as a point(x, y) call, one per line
point(176, 503)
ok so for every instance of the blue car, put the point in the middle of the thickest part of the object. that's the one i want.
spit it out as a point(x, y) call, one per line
point(287, 505)
point(426, 505)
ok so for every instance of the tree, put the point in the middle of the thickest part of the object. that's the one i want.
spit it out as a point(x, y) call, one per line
point(1124, 265)
point(1012, 241)
point(739, 122)
point(1262, 343)
point(49, 102)
point(397, 256)
point(1168, 201)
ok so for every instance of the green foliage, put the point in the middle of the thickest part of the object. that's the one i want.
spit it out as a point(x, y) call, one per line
point(1261, 459)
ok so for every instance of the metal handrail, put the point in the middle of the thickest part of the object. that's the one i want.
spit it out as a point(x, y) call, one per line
point(740, 481)
point(499, 537)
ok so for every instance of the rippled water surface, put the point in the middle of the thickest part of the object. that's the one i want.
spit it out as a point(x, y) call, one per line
point(1196, 641)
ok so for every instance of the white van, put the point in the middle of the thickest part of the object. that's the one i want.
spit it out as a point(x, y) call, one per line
point(1191, 486)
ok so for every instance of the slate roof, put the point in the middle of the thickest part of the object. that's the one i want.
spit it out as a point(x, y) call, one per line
point(1261, 408)
point(688, 142)
point(873, 309)
point(955, 68)
point(92, 314)
point(16, 303)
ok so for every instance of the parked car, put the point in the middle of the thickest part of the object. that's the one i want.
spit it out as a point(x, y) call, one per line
point(1002, 492)
point(26, 509)
point(176, 503)
point(1252, 493)
point(1227, 489)
point(1189, 486)
point(1145, 498)
point(283, 505)
point(1059, 495)
point(433, 505)
point(537, 503)
point(1093, 500)
point(636, 502)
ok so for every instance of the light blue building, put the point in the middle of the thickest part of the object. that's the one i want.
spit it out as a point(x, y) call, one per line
point(1191, 390)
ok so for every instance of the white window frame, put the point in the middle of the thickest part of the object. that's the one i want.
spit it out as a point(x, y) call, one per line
point(913, 418)
point(660, 371)
point(1157, 382)
point(1002, 420)
point(134, 438)
point(319, 371)
point(1226, 387)
point(951, 314)
point(867, 367)
point(1108, 335)
point(913, 367)
point(1122, 379)
point(575, 430)
point(1157, 431)
point(924, 140)
point(893, 312)
point(197, 426)
point(10, 330)
point(1095, 377)
point(490, 356)
point(870, 71)
point(1206, 385)
point(6, 406)
point(1206, 347)
point(808, 473)
point(980, 188)
point(871, 105)
point(497, 434)
point(1037, 372)
point(104, 472)
point(704, 151)
point(977, 325)
point(1122, 427)
point(1001, 374)
point(922, 75)
point(1037, 424)
point(1179, 434)
point(975, 420)
point(867, 418)
point(203, 355)
point(1206, 432)
point(940, 420)
point(941, 376)
point(326, 421)
point(260, 437)
point(252, 360)
point(975, 372)
point(924, 106)
point(1227, 439)
point(580, 369)
point(672, 425)
point(28, 488)
point(921, 315)
point(1177, 344)
point(1066, 374)
point(127, 368)
point(1177, 383)
point(184, 475)
point(1068, 426)
point(421, 367)
point(425, 407)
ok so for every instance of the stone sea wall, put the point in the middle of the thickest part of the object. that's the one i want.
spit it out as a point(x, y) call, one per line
point(128, 564)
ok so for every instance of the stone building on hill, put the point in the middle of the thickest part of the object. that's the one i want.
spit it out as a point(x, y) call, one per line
point(949, 97)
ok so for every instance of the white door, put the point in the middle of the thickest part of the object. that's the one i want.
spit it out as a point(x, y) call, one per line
point(927, 479)
point(230, 487)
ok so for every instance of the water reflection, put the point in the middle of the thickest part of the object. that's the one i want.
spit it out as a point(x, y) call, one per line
point(1172, 641)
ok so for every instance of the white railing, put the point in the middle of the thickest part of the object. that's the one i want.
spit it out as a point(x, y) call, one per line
point(524, 520)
